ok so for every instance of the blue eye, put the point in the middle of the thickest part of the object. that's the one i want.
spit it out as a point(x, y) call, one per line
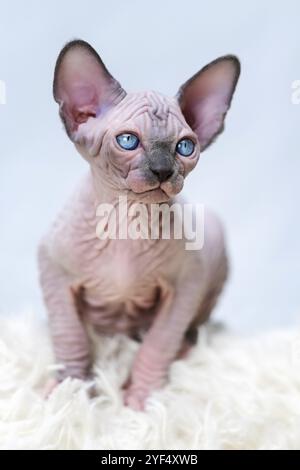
point(185, 147)
point(128, 141)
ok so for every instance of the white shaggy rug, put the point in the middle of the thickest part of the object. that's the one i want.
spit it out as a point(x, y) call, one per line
point(230, 393)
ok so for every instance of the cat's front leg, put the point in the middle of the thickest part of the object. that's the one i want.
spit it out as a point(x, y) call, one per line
point(69, 338)
point(179, 305)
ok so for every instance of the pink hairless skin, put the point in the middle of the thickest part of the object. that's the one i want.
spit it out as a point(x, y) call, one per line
point(141, 145)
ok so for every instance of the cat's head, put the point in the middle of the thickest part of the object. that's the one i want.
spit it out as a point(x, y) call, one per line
point(143, 144)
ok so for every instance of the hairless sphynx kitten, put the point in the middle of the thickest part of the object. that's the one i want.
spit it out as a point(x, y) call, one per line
point(141, 145)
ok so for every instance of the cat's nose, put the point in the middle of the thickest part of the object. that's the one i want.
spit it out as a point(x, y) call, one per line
point(161, 171)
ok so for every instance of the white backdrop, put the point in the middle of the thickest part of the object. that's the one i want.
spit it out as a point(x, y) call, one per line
point(250, 175)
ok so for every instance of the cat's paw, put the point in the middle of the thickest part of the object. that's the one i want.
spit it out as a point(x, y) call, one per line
point(51, 384)
point(136, 393)
point(135, 397)
point(48, 388)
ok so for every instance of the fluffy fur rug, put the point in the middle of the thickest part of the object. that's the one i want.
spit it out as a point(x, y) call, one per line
point(230, 393)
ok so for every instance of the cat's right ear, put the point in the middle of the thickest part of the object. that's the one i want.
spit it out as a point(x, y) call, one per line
point(82, 85)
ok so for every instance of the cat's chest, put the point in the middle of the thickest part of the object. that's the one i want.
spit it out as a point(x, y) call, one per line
point(113, 271)
point(126, 270)
point(118, 282)
point(122, 286)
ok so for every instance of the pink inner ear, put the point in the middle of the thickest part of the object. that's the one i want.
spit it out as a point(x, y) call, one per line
point(85, 102)
point(81, 93)
point(205, 98)
point(209, 115)
point(82, 85)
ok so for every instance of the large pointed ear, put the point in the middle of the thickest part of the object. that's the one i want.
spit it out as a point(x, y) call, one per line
point(82, 85)
point(205, 98)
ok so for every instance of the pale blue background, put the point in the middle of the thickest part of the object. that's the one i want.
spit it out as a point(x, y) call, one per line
point(250, 176)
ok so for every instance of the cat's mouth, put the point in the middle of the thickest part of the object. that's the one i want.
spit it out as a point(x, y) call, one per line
point(155, 195)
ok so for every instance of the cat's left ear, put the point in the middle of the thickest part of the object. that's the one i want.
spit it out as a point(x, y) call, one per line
point(82, 86)
point(206, 97)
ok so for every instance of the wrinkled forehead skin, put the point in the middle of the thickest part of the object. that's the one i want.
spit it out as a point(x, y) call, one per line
point(155, 118)
point(158, 116)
